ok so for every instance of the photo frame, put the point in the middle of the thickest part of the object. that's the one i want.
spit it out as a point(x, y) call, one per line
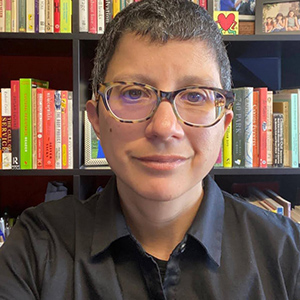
point(93, 153)
point(274, 17)
point(246, 8)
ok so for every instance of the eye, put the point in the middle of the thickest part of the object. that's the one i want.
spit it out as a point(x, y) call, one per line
point(194, 96)
point(134, 94)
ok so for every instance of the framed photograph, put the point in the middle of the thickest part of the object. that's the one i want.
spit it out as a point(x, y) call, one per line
point(93, 153)
point(277, 17)
point(245, 8)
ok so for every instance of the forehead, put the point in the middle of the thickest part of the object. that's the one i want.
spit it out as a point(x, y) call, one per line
point(138, 56)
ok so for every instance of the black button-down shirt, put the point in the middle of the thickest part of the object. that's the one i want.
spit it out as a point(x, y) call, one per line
point(69, 249)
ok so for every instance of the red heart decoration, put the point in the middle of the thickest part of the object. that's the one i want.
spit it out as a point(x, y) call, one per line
point(226, 22)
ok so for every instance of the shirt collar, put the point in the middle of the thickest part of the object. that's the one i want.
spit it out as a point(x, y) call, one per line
point(109, 224)
point(207, 227)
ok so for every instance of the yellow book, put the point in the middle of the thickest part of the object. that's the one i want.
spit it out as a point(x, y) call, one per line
point(227, 147)
point(65, 16)
point(116, 7)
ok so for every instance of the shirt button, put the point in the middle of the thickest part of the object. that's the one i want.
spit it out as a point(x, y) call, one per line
point(182, 247)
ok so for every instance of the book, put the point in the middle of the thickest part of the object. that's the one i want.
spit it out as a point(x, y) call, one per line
point(92, 16)
point(15, 123)
point(30, 16)
point(108, 10)
point(34, 128)
point(278, 140)
point(65, 16)
point(57, 101)
point(83, 16)
point(270, 128)
point(285, 203)
point(39, 128)
point(6, 128)
point(14, 16)
point(262, 126)
point(49, 129)
point(42, 15)
point(227, 147)
point(100, 16)
point(64, 130)
point(2, 15)
point(70, 130)
point(203, 3)
point(56, 16)
point(122, 4)
point(8, 16)
point(292, 99)
point(255, 127)
point(26, 85)
point(22, 15)
point(36, 16)
point(116, 7)
point(49, 16)
point(0, 130)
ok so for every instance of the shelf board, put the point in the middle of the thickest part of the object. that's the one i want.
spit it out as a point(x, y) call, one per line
point(262, 38)
point(255, 171)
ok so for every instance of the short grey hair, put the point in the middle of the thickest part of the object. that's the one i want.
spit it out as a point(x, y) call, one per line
point(162, 20)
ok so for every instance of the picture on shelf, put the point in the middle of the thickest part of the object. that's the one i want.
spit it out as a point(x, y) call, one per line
point(93, 153)
point(279, 17)
point(245, 8)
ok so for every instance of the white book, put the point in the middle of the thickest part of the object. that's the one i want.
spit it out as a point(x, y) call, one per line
point(42, 15)
point(83, 16)
point(49, 16)
point(14, 15)
point(2, 15)
point(70, 130)
point(100, 16)
point(30, 15)
point(6, 128)
point(57, 99)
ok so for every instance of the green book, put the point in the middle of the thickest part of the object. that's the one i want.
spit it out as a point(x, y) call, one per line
point(65, 16)
point(26, 84)
point(22, 15)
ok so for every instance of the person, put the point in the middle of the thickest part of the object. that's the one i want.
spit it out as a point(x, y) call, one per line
point(291, 23)
point(269, 25)
point(279, 23)
point(161, 228)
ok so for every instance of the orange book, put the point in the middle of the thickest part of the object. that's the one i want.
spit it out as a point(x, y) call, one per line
point(64, 129)
point(49, 129)
point(263, 96)
point(255, 129)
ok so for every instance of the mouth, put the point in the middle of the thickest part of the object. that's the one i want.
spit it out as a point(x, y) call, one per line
point(162, 162)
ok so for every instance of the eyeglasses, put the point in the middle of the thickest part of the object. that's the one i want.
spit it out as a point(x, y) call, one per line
point(196, 106)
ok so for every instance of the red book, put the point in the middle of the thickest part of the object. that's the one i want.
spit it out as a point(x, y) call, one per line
point(92, 16)
point(203, 3)
point(39, 128)
point(255, 129)
point(15, 123)
point(49, 129)
point(56, 16)
point(64, 129)
point(263, 96)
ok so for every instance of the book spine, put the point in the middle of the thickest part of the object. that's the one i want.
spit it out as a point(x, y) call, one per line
point(70, 130)
point(36, 16)
point(227, 147)
point(42, 14)
point(270, 128)
point(25, 124)
point(6, 129)
point(83, 16)
point(49, 18)
point(39, 127)
point(22, 15)
point(108, 11)
point(0, 129)
point(30, 16)
point(2, 15)
point(122, 4)
point(56, 16)
point(57, 100)
point(8, 16)
point(64, 129)
point(14, 16)
point(286, 135)
point(15, 123)
point(262, 127)
point(92, 16)
point(49, 129)
point(66, 16)
point(34, 128)
point(203, 3)
point(100, 17)
point(255, 129)
point(116, 7)
point(278, 140)
point(248, 98)
point(294, 129)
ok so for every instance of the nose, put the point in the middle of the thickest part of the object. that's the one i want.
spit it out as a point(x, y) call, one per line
point(164, 124)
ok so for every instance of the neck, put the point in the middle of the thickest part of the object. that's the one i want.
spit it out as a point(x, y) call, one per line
point(160, 225)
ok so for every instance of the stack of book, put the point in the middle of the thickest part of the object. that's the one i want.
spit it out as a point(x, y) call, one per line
point(95, 14)
point(36, 130)
point(265, 130)
point(36, 16)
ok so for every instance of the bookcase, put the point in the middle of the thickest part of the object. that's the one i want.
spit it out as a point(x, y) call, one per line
point(65, 60)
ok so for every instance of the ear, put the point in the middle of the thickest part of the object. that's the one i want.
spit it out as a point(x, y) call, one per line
point(228, 118)
point(91, 108)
